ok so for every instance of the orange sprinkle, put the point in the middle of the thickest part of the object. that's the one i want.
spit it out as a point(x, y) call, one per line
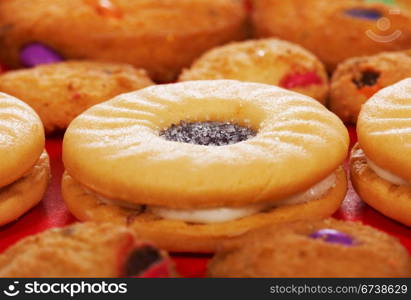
point(106, 8)
point(369, 91)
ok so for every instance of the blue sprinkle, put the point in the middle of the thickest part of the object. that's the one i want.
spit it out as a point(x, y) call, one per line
point(363, 13)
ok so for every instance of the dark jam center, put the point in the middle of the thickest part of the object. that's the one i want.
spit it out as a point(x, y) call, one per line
point(140, 260)
point(208, 133)
point(367, 78)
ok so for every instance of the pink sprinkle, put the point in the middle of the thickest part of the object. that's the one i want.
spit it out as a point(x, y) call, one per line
point(300, 80)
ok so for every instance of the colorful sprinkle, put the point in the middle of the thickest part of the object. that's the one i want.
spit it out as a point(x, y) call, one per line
point(368, 78)
point(386, 2)
point(297, 80)
point(37, 54)
point(333, 236)
point(364, 13)
point(369, 91)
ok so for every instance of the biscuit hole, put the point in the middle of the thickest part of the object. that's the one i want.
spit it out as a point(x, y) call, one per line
point(140, 260)
point(208, 133)
point(366, 78)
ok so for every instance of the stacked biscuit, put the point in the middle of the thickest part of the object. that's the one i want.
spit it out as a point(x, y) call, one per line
point(239, 156)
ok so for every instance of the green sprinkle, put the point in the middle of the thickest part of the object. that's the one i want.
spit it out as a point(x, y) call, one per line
point(386, 2)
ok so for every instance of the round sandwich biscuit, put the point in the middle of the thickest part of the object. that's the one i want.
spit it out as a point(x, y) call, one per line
point(326, 248)
point(190, 164)
point(358, 79)
point(380, 165)
point(161, 36)
point(335, 30)
point(60, 92)
point(85, 250)
point(24, 167)
point(269, 61)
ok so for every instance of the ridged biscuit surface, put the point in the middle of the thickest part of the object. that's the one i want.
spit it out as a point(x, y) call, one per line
point(384, 129)
point(115, 148)
point(21, 138)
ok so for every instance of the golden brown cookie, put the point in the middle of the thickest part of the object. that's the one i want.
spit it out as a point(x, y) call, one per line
point(60, 92)
point(335, 30)
point(380, 165)
point(392, 200)
point(384, 129)
point(327, 248)
point(184, 236)
point(24, 193)
point(24, 167)
point(85, 250)
point(269, 61)
point(358, 79)
point(204, 160)
point(161, 36)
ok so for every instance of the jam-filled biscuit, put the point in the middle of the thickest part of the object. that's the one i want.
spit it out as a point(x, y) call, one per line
point(380, 165)
point(60, 92)
point(24, 164)
point(327, 248)
point(269, 61)
point(358, 79)
point(336, 30)
point(161, 36)
point(85, 250)
point(187, 165)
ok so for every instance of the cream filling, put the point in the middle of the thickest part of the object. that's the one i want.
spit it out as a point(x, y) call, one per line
point(386, 175)
point(226, 214)
point(121, 203)
point(27, 173)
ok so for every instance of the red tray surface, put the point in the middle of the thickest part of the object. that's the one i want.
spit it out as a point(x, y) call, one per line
point(51, 212)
